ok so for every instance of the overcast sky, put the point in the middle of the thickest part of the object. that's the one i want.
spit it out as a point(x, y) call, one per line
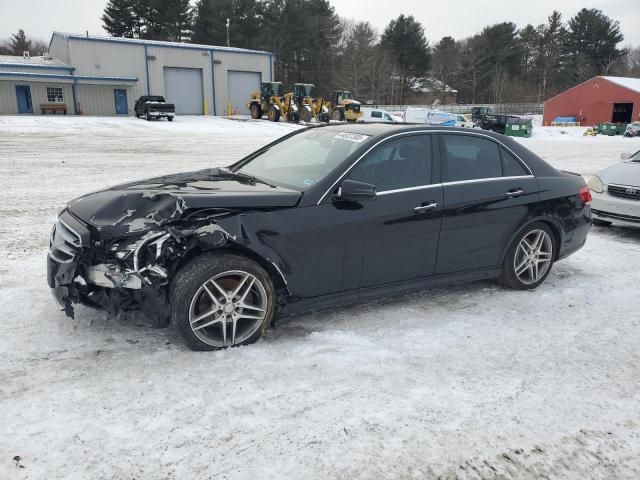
point(459, 18)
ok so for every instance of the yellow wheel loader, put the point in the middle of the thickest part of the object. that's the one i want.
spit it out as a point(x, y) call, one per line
point(309, 106)
point(344, 107)
point(271, 101)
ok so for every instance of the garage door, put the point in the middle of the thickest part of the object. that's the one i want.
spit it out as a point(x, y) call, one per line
point(183, 88)
point(241, 86)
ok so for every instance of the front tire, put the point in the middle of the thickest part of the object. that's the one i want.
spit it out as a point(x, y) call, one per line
point(256, 111)
point(530, 258)
point(306, 115)
point(220, 301)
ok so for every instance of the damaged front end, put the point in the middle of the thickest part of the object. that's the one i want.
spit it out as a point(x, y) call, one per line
point(130, 272)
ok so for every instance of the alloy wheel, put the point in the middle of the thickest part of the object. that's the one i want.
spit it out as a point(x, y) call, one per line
point(533, 257)
point(228, 308)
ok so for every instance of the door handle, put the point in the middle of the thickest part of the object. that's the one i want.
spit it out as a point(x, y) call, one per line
point(514, 193)
point(424, 208)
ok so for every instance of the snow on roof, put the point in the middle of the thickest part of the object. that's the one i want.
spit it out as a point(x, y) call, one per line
point(32, 61)
point(107, 38)
point(627, 82)
point(431, 84)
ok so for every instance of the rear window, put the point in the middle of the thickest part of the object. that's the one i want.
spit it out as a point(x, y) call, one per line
point(511, 166)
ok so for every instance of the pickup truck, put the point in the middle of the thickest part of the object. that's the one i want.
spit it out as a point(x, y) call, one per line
point(495, 123)
point(154, 107)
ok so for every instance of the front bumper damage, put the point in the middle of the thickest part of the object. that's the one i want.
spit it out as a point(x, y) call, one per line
point(124, 274)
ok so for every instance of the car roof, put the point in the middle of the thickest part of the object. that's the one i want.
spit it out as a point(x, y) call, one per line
point(382, 130)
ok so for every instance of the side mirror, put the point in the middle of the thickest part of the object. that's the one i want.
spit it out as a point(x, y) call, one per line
point(624, 156)
point(352, 190)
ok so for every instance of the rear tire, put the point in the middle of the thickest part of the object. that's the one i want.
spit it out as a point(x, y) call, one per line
point(273, 114)
point(293, 117)
point(530, 257)
point(256, 111)
point(204, 313)
point(170, 119)
point(338, 114)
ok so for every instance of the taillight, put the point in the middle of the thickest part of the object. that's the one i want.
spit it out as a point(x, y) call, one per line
point(585, 195)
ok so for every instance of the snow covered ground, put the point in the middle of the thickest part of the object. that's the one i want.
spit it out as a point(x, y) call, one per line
point(471, 381)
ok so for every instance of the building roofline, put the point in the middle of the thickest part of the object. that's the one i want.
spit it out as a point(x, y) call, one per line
point(158, 44)
point(609, 78)
point(72, 78)
point(37, 66)
point(602, 77)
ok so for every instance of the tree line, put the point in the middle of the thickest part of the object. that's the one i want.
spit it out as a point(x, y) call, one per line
point(312, 44)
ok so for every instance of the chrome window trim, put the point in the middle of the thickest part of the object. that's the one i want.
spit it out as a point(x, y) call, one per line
point(488, 179)
point(409, 189)
point(444, 184)
point(418, 132)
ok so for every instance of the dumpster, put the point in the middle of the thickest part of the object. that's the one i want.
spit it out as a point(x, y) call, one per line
point(612, 129)
point(518, 127)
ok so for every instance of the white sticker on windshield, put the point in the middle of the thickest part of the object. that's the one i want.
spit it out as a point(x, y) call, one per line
point(352, 137)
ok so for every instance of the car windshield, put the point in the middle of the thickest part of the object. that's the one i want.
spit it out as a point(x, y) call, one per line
point(304, 159)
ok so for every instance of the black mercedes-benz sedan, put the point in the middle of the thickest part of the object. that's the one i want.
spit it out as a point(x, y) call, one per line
point(323, 216)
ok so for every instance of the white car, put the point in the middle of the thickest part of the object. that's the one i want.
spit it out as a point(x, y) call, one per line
point(377, 115)
point(436, 118)
point(616, 193)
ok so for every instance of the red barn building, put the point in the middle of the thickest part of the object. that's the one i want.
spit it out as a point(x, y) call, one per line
point(601, 99)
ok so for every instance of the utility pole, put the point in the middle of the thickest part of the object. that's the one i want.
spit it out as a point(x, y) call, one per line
point(228, 44)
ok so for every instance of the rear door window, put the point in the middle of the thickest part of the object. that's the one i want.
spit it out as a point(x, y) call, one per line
point(511, 166)
point(467, 157)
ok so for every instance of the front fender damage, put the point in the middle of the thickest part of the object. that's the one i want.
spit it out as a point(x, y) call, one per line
point(124, 275)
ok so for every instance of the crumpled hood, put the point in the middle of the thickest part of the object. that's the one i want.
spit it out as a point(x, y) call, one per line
point(133, 208)
point(625, 173)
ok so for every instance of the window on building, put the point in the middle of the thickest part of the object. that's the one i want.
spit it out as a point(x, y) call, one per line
point(54, 95)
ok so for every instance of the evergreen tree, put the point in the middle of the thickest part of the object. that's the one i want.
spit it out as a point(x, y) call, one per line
point(405, 41)
point(167, 20)
point(592, 42)
point(19, 43)
point(210, 19)
point(118, 18)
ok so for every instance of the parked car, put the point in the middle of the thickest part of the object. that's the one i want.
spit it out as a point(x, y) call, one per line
point(495, 123)
point(632, 130)
point(435, 117)
point(616, 193)
point(324, 216)
point(154, 107)
point(377, 115)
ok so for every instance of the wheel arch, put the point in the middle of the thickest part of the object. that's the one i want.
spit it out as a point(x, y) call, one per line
point(275, 273)
point(553, 225)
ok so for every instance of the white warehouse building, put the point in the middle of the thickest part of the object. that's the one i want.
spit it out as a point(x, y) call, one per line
point(97, 75)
